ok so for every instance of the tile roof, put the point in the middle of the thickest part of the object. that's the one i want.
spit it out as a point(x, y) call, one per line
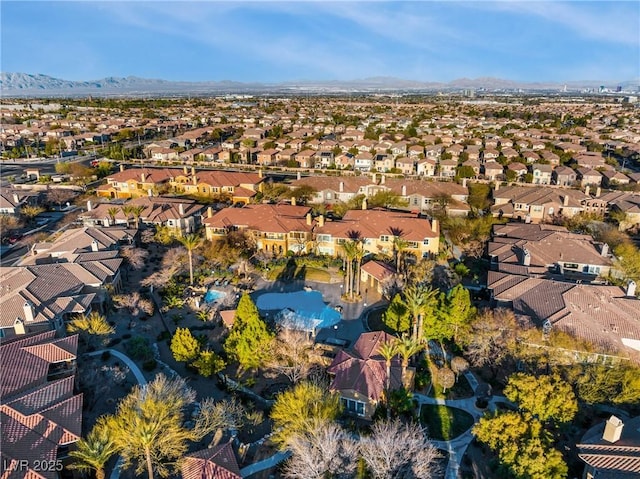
point(218, 462)
point(265, 218)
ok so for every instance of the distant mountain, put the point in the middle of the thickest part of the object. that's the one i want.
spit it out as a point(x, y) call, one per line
point(24, 84)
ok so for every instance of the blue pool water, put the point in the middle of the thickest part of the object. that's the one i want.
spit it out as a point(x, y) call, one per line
point(213, 295)
point(305, 309)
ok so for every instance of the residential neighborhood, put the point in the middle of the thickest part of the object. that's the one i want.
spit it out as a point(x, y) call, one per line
point(260, 280)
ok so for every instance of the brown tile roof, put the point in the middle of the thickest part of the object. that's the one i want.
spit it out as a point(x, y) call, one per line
point(264, 218)
point(218, 462)
point(378, 270)
point(363, 370)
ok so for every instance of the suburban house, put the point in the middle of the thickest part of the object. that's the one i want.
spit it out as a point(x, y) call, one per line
point(406, 166)
point(541, 173)
point(547, 250)
point(614, 178)
point(536, 204)
point(11, 201)
point(238, 187)
point(275, 228)
point(373, 273)
point(377, 229)
point(332, 189)
point(267, 157)
point(217, 462)
point(182, 214)
point(40, 415)
point(624, 202)
point(426, 167)
point(563, 176)
point(611, 450)
point(492, 170)
point(134, 182)
point(448, 168)
point(363, 161)
point(606, 316)
point(360, 374)
point(588, 177)
point(519, 169)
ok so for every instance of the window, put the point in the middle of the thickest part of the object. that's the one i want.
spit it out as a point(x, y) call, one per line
point(571, 266)
point(425, 241)
point(324, 238)
point(412, 244)
point(384, 238)
point(352, 406)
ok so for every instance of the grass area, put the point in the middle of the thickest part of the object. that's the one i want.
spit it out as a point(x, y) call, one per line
point(308, 273)
point(444, 423)
point(460, 390)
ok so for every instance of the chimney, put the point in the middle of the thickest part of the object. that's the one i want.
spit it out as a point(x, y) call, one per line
point(16, 199)
point(496, 186)
point(185, 169)
point(298, 176)
point(631, 288)
point(374, 178)
point(181, 209)
point(143, 177)
point(587, 190)
point(565, 200)
point(435, 226)
point(309, 219)
point(526, 257)
point(209, 212)
point(342, 187)
point(598, 191)
point(18, 326)
point(612, 429)
point(89, 205)
point(121, 167)
point(364, 203)
point(149, 192)
point(260, 173)
point(464, 182)
point(29, 313)
point(293, 201)
point(321, 221)
point(193, 171)
point(382, 179)
point(604, 250)
point(404, 190)
point(194, 179)
point(94, 246)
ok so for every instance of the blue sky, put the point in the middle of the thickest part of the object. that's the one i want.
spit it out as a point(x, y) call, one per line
point(313, 40)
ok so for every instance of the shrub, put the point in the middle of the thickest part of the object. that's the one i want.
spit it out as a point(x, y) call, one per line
point(149, 365)
point(105, 355)
point(138, 348)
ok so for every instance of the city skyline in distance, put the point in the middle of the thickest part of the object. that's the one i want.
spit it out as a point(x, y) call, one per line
point(269, 42)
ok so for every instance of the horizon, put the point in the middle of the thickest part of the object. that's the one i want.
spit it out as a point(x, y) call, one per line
point(311, 41)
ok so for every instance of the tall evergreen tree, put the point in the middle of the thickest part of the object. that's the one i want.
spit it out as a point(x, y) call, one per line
point(249, 341)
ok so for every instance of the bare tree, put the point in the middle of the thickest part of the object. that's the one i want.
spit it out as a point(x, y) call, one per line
point(135, 257)
point(218, 417)
point(135, 303)
point(292, 354)
point(391, 285)
point(398, 451)
point(493, 334)
point(459, 365)
point(59, 196)
point(446, 378)
point(326, 451)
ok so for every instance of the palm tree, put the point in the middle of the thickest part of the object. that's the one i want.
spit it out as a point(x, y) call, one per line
point(137, 211)
point(407, 347)
point(112, 212)
point(388, 351)
point(358, 254)
point(417, 299)
point(350, 250)
point(126, 211)
point(399, 245)
point(190, 242)
point(92, 453)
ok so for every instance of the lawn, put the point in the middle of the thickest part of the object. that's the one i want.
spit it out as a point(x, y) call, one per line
point(444, 423)
point(308, 273)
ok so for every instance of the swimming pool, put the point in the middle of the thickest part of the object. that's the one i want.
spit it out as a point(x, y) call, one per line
point(213, 295)
point(304, 310)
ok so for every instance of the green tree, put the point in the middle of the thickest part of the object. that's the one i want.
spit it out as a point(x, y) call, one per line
point(386, 199)
point(301, 410)
point(249, 340)
point(303, 193)
point(93, 452)
point(147, 428)
point(457, 312)
point(548, 398)
point(628, 260)
point(184, 346)
point(388, 351)
point(522, 445)
point(407, 348)
point(112, 212)
point(30, 212)
point(93, 328)
point(208, 363)
point(396, 317)
point(190, 242)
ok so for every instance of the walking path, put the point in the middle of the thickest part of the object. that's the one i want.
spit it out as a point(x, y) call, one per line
point(457, 446)
point(133, 367)
point(267, 463)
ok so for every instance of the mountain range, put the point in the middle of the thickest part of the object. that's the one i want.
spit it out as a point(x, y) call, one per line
point(24, 84)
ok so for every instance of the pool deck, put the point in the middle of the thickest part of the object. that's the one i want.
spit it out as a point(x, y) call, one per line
point(352, 324)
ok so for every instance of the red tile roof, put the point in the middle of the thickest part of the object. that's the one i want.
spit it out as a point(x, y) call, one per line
point(218, 462)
